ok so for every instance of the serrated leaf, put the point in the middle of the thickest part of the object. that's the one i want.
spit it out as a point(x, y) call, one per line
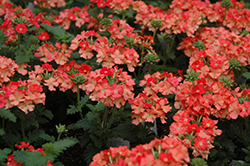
point(198, 162)
point(127, 131)
point(83, 124)
point(4, 153)
point(90, 151)
point(100, 106)
point(91, 107)
point(58, 31)
point(38, 135)
point(64, 144)
point(92, 115)
point(6, 114)
point(171, 55)
point(31, 158)
point(48, 114)
point(2, 132)
point(73, 110)
point(246, 75)
point(129, 13)
point(96, 141)
point(84, 100)
point(22, 57)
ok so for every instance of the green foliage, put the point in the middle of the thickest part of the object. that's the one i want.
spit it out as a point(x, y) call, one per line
point(31, 158)
point(228, 146)
point(59, 32)
point(198, 162)
point(3, 155)
point(83, 124)
point(7, 114)
point(38, 135)
point(2, 132)
point(126, 14)
point(73, 109)
point(61, 145)
point(90, 151)
point(246, 75)
point(247, 151)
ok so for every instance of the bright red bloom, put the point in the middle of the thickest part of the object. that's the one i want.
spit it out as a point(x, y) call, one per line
point(151, 80)
point(21, 28)
point(84, 44)
point(166, 157)
point(200, 143)
point(196, 65)
point(12, 162)
point(105, 71)
point(198, 89)
point(193, 127)
point(72, 16)
point(43, 36)
point(216, 64)
point(47, 66)
point(23, 145)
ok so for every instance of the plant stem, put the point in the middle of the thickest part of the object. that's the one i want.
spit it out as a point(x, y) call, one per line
point(3, 123)
point(19, 40)
point(58, 138)
point(154, 33)
point(112, 118)
point(172, 43)
point(105, 118)
point(23, 131)
point(78, 101)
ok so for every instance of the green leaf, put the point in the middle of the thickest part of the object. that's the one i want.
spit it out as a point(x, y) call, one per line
point(48, 114)
point(64, 144)
point(92, 115)
point(91, 107)
point(246, 75)
point(84, 124)
point(31, 158)
point(126, 130)
point(84, 100)
point(100, 106)
point(72, 110)
point(59, 32)
point(198, 162)
point(97, 142)
point(38, 135)
point(22, 57)
point(6, 114)
point(90, 151)
point(4, 154)
point(2, 132)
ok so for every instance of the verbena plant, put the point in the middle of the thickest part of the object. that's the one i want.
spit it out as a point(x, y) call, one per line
point(171, 78)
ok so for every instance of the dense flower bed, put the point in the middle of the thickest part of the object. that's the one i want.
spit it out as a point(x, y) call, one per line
point(114, 68)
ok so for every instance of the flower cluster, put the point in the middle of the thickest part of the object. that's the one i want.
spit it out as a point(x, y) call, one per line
point(58, 53)
point(50, 3)
point(166, 151)
point(8, 68)
point(110, 86)
point(221, 41)
point(147, 106)
point(195, 133)
point(24, 94)
point(107, 53)
point(78, 15)
point(70, 75)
